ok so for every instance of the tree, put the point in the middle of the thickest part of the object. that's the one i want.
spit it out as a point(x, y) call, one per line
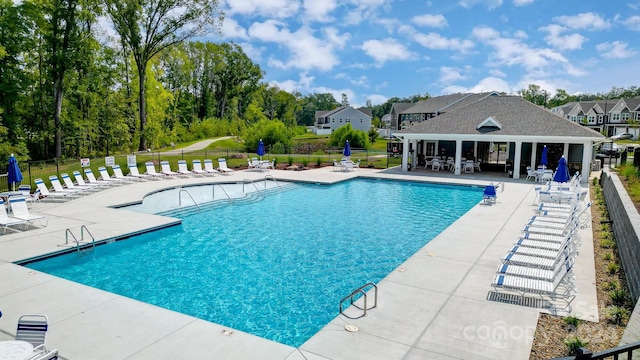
point(147, 27)
point(345, 100)
point(534, 94)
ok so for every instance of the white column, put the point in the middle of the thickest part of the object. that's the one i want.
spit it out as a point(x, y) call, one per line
point(405, 153)
point(516, 160)
point(534, 147)
point(587, 152)
point(458, 159)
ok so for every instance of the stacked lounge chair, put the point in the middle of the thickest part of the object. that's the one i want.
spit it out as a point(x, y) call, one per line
point(540, 263)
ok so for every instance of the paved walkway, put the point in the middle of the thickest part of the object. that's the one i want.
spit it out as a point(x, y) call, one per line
point(432, 306)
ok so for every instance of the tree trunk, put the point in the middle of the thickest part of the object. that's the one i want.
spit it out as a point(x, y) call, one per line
point(57, 94)
point(142, 106)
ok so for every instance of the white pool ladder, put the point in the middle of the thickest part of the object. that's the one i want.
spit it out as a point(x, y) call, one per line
point(361, 291)
point(270, 177)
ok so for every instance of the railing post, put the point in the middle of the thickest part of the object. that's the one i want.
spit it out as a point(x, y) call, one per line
point(583, 353)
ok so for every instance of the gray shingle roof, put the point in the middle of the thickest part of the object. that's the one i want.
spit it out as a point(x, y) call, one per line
point(444, 103)
point(517, 116)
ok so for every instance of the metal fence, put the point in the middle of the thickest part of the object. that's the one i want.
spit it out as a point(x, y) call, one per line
point(236, 158)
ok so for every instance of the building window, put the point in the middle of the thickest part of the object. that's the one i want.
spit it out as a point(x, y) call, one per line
point(591, 119)
point(625, 117)
point(615, 117)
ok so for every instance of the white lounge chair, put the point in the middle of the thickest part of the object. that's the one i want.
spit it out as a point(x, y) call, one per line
point(117, 174)
point(251, 165)
point(182, 168)
point(92, 179)
point(57, 187)
point(559, 288)
point(134, 172)
point(165, 168)
point(151, 169)
point(532, 272)
point(208, 167)
point(104, 175)
point(6, 220)
point(48, 195)
point(543, 245)
point(80, 181)
point(222, 166)
point(33, 329)
point(20, 211)
point(70, 185)
point(267, 165)
point(197, 167)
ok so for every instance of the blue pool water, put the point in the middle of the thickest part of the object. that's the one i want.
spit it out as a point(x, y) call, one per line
point(278, 267)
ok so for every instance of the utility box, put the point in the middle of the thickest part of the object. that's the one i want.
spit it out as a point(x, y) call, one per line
point(636, 156)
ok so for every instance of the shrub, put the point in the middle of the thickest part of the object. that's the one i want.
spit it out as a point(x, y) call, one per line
point(617, 315)
point(571, 320)
point(612, 285)
point(305, 162)
point(594, 181)
point(612, 268)
point(618, 296)
point(290, 160)
point(607, 256)
point(318, 160)
point(573, 343)
point(607, 244)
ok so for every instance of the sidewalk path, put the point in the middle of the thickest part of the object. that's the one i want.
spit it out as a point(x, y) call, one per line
point(195, 147)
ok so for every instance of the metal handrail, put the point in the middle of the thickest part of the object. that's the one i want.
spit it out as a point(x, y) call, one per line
point(188, 194)
point(213, 192)
point(83, 228)
point(249, 181)
point(270, 177)
point(360, 290)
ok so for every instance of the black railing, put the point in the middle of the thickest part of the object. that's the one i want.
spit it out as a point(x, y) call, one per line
point(613, 353)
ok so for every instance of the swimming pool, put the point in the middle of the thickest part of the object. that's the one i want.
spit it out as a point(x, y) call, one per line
point(277, 266)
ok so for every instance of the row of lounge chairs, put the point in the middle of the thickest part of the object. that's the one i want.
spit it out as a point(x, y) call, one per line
point(87, 182)
point(345, 165)
point(540, 262)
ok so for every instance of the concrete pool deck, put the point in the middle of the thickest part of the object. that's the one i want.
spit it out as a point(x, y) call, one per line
point(433, 306)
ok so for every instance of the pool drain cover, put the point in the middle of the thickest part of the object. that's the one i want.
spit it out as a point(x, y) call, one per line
point(351, 328)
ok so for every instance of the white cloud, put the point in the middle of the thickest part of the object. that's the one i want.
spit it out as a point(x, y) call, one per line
point(556, 39)
point(522, 2)
point(272, 8)
point(614, 50)
point(337, 94)
point(363, 9)
point(633, 23)
point(513, 52)
point(377, 99)
point(583, 21)
point(450, 74)
point(319, 10)
point(232, 30)
point(497, 73)
point(486, 84)
point(303, 84)
point(437, 21)
point(436, 41)
point(491, 4)
point(385, 50)
point(306, 50)
point(252, 52)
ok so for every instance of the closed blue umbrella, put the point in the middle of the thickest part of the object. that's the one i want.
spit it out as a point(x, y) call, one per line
point(562, 173)
point(14, 175)
point(347, 149)
point(543, 158)
point(261, 151)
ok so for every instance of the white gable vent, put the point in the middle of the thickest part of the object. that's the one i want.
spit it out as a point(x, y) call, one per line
point(489, 124)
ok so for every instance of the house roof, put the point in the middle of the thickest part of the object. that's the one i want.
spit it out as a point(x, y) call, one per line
point(326, 113)
point(633, 103)
point(444, 103)
point(517, 117)
point(400, 107)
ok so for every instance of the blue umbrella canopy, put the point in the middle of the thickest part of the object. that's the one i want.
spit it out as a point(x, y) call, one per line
point(261, 151)
point(562, 173)
point(543, 158)
point(14, 175)
point(347, 149)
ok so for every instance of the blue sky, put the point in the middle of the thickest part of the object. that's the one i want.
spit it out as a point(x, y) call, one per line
point(377, 49)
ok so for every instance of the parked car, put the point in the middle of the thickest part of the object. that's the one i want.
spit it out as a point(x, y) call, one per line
point(609, 149)
point(622, 136)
